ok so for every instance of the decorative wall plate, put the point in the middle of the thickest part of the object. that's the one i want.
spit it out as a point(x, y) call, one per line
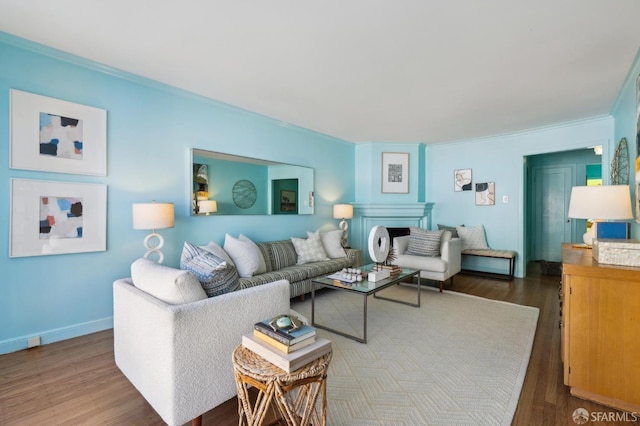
point(620, 164)
point(244, 194)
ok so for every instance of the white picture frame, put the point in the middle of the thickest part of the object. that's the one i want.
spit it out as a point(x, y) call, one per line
point(37, 205)
point(44, 134)
point(486, 194)
point(395, 173)
point(462, 180)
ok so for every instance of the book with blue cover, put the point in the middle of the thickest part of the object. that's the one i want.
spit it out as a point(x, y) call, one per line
point(617, 230)
point(285, 335)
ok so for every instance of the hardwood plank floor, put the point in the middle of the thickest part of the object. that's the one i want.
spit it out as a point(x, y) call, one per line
point(76, 382)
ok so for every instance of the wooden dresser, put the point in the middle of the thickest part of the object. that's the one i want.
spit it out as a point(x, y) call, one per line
point(600, 323)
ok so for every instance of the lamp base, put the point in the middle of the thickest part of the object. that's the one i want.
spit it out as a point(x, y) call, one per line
point(151, 250)
point(590, 235)
point(344, 227)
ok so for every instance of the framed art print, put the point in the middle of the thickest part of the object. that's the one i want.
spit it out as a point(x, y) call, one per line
point(462, 180)
point(52, 135)
point(57, 218)
point(395, 172)
point(485, 194)
point(288, 201)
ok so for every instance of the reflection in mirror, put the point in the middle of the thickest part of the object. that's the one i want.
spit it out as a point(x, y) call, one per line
point(249, 186)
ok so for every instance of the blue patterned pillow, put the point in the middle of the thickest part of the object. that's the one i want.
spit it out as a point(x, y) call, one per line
point(424, 243)
point(214, 273)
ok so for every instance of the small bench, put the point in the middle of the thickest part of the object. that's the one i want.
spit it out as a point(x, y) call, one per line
point(510, 255)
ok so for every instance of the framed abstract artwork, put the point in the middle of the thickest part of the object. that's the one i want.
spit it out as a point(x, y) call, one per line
point(57, 218)
point(52, 135)
point(395, 172)
point(287, 201)
point(462, 180)
point(485, 194)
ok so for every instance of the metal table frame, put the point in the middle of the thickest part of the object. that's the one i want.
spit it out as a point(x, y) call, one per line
point(359, 288)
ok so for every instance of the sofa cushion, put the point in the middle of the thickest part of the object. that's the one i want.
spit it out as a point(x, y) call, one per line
point(309, 249)
point(423, 242)
point(168, 284)
point(283, 254)
point(473, 237)
point(318, 269)
point(452, 229)
point(245, 255)
point(214, 273)
point(423, 263)
point(292, 274)
point(332, 243)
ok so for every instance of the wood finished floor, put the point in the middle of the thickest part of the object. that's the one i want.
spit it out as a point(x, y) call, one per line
point(75, 382)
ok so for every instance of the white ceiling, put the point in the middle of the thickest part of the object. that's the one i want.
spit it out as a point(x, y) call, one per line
point(427, 71)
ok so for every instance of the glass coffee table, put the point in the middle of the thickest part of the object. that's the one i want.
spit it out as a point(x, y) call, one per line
point(365, 289)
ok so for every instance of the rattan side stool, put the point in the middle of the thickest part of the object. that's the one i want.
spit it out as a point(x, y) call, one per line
point(294, 395)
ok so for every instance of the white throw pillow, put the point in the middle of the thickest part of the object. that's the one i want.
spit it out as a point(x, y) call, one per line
point(309, 250)
point(262, 266)
point(245, 255)
point(168, 284)
point(215, 248)
point(331, 241)
point(473, 237)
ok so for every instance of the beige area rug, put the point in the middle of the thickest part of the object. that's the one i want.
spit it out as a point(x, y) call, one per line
point(456, 360)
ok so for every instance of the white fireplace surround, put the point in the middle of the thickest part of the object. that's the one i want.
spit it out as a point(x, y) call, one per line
point(396, 215)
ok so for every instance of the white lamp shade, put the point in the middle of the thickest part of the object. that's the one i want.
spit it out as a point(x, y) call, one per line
point(208, 206)
point(153, 215)
point(342, 211)
point(600, 202)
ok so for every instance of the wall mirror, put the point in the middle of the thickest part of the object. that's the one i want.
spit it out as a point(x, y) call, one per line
point(248, 186)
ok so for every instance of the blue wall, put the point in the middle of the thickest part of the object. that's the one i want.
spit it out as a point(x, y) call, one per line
point(626, 125)
point(151, 130)
point(500, 159)
point(224, 174)
point(369, 172)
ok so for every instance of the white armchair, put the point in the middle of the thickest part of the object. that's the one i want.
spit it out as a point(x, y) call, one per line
point(432, 268)
point(179, 356)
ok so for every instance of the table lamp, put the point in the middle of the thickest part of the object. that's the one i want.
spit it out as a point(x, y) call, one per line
point(207, 207)
point(153, 216)
point(343, 211)
point(597, 203)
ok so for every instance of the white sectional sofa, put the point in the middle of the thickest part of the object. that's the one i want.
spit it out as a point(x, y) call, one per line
point(437, 268)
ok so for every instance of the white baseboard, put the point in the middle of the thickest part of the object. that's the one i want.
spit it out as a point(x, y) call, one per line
point(56, 335)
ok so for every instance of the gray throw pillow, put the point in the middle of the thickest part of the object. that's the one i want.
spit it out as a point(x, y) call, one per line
point(423, 242)
point(452, 229)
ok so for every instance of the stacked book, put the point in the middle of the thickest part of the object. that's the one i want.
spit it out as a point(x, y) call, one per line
point(394, 270)
point(286, 348)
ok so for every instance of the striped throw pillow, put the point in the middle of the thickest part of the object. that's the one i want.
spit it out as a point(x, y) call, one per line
point(283, 254)
point(423, 242)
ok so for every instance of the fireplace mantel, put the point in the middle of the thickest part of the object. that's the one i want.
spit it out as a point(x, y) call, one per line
point(396, 215)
